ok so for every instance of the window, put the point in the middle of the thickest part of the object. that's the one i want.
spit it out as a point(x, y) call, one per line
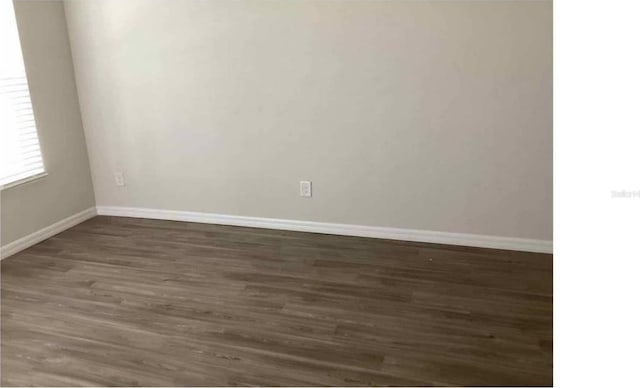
point(20, 157)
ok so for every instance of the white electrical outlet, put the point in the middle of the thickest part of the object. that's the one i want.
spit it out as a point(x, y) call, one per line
point(119, 179)
point(305, 188)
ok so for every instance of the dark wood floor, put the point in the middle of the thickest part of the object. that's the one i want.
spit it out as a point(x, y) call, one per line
point(121, 301)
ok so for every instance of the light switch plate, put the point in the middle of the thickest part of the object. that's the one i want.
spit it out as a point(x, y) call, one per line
point(119, 176)
point(305, 188)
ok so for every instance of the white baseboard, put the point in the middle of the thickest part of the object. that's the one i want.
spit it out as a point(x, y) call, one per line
point(473, 240)
point(44, 233)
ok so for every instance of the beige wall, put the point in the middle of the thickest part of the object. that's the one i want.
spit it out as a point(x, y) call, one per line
point(411, 114)
point(67, 189)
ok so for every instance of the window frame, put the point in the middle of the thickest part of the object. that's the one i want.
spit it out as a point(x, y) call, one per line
point(25, 180)
point(44, 173)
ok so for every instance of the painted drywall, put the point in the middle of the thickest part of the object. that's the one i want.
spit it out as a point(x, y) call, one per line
point(67, 189)
point(409, 114)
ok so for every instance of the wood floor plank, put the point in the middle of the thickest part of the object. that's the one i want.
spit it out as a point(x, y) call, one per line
point(128, 302)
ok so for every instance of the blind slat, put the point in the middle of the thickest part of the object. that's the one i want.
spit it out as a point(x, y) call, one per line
point(33, 168)
point(27, 167)
point(28, 140)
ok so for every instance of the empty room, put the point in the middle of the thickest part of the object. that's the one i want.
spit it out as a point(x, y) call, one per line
point(286, 193)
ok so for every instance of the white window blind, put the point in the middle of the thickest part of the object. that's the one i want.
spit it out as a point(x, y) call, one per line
point(20, 156)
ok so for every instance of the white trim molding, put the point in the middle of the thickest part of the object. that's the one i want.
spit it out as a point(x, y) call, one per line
point(44, 233)
point(473, 240)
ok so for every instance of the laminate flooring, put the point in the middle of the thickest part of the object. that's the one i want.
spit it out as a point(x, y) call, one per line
point(123, 301)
